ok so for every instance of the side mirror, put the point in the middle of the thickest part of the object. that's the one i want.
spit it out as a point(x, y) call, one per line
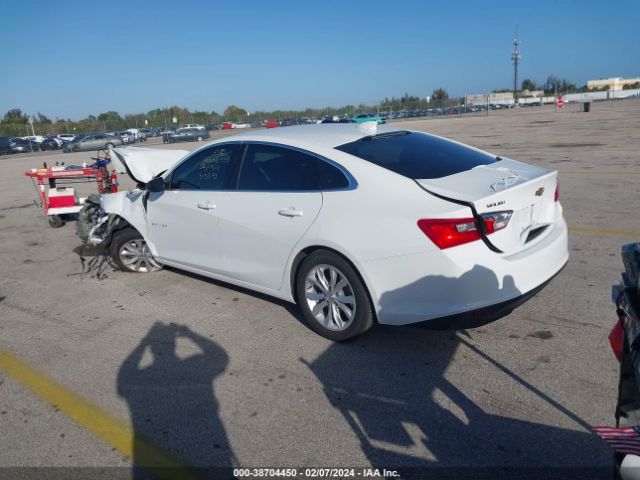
point(156, 185)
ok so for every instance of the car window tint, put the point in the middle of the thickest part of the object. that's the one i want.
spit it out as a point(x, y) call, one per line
point(270, 168)
point(331, 178)
point(207, 170)
point(417, 155)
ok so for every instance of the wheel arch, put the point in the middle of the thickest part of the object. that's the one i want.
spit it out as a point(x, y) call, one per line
point(130, 209)
point(305, 252)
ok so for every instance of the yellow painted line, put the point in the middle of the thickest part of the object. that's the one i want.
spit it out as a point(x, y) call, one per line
point(601, 232)
point(94, 419)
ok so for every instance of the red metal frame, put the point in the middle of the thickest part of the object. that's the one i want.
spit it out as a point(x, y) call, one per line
point(107, 182)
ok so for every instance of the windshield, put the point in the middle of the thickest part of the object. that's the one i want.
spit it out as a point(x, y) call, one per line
point(417, 155)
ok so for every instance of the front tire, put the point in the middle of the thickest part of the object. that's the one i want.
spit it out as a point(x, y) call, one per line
point(332, 297)
point(129, 250)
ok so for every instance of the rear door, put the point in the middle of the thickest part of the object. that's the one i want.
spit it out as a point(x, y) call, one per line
point(277, 199)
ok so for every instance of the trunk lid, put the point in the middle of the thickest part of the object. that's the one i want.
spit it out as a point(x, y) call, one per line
point(506, 185)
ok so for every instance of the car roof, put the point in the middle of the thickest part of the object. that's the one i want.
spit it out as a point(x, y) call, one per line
point(328, 135)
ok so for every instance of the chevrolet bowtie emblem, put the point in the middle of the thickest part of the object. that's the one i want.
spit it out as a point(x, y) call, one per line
point(539, 192)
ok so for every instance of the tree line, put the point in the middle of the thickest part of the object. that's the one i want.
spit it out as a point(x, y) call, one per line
point(15, 122)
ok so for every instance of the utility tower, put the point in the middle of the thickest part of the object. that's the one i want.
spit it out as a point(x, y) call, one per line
point(515, 57)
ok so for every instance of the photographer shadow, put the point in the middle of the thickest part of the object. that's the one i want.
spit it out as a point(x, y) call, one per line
point(393, 388)
point(172, 402)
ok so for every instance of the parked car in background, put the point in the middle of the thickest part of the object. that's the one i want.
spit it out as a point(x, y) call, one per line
point(288, 122)
point(368, 117)
point(5, 146)
point(188, 135)
point(20, 145)
point(271, 124)
point(51, 143)
point(96, 141)
point(34, 138)
point(240, 125)
point(68, 137)
point(126, 136)
point(337, 120)
point(143, 134)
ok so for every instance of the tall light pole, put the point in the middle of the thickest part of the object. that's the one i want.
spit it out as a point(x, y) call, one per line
point(515, 57)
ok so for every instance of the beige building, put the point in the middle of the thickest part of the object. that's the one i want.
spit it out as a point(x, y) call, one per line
point(614, 83)
point(503, 98)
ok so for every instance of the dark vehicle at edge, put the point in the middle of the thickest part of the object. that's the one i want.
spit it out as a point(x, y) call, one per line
point(5, 146)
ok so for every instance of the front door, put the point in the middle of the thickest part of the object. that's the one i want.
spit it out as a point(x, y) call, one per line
point(183, 220)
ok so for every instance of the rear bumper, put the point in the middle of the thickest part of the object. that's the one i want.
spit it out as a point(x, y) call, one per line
point(481, 316)
point(466, 281)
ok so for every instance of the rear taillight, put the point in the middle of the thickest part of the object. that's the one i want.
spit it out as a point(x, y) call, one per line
point(556, 195)
point(495, 221)
point(451, 232)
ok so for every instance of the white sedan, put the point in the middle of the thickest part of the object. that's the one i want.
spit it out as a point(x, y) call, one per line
point(357, 224)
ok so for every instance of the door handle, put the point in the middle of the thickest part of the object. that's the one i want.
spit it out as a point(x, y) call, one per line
point(290, 212)
point(206, 206)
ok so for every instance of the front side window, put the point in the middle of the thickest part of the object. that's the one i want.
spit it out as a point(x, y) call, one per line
point(209, 169)
point(272, 168)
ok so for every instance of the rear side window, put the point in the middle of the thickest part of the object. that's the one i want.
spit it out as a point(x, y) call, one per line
point(331, 178)
point(417, 155)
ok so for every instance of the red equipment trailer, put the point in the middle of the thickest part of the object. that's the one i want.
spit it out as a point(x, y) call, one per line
point(59, 202)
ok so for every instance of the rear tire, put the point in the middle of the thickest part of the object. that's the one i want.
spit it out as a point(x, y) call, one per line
point(129, 250)
point(332, 297)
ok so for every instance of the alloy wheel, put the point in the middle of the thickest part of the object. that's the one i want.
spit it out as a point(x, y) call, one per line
point(330, 297)
point(136, 256)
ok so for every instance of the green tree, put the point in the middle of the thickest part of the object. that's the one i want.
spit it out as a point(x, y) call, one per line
point(439, 96)
point(110, 121)
point(528, 84)
point(15, 115)
point(234, 114)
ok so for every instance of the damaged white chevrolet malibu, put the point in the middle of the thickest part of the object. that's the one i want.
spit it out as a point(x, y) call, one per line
point(357, 224)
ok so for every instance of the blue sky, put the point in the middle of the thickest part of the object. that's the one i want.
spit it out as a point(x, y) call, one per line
point(71, 59)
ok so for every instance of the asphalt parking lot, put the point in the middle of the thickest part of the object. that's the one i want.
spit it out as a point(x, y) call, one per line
point(89, 376)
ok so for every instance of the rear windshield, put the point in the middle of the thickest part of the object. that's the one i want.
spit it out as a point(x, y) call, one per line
point(417, 155)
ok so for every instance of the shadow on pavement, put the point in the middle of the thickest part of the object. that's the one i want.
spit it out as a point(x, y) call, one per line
point(391, 387)
point(171, 400)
